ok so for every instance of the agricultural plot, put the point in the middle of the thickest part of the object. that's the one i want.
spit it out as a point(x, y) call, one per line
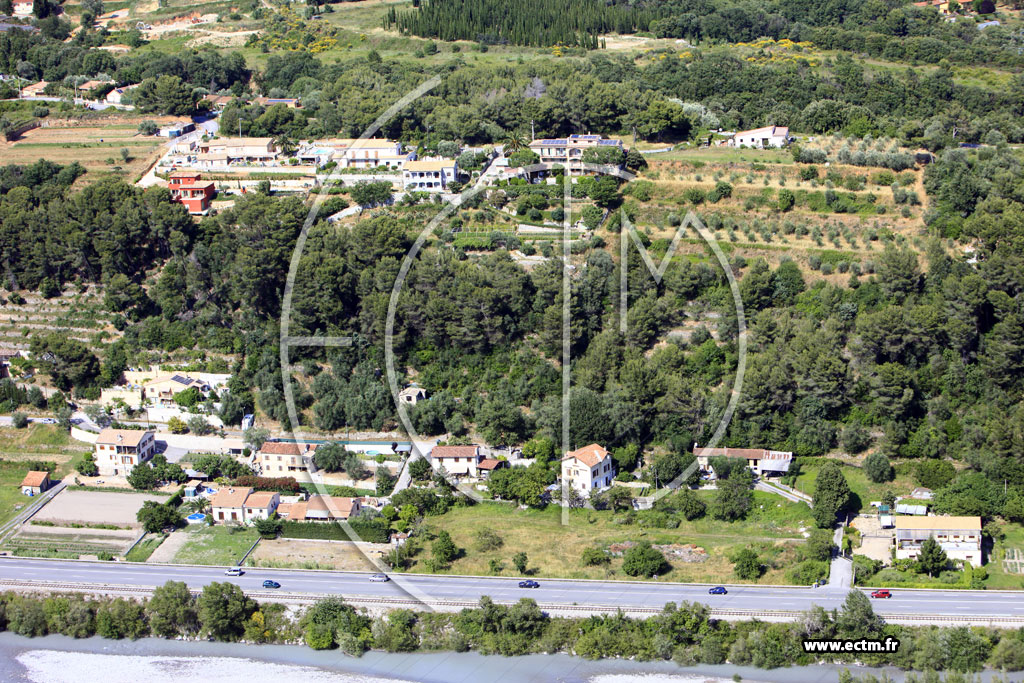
point(316, 554)
point(79, 315)
point(33, 539)
point(95, 508)
point(19, 448)
point(114, 148)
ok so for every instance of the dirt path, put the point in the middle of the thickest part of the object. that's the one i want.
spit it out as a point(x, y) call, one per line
point(169, 548)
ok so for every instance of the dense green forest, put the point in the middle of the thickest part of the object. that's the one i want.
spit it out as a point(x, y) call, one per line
point(521, 22)
point(479, 103)
point(897, 31)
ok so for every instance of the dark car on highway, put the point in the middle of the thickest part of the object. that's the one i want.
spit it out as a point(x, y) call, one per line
point(529, 583)
point(717, 590)
point(271, 584)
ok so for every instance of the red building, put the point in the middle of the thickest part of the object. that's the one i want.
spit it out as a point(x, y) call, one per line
point(195, 195)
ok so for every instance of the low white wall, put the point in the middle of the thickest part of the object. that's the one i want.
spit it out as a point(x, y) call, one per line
point(82, 435)
point(165, 413)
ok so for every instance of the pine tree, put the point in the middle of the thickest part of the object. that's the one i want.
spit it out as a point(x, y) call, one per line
point(831, 494)
point(932, 558)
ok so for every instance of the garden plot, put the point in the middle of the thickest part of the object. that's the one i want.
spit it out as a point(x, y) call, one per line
point(95, 508)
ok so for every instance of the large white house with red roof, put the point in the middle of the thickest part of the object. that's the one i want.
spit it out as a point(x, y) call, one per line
point(588, 469)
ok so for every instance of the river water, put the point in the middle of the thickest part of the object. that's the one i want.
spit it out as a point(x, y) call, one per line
point(59, 659)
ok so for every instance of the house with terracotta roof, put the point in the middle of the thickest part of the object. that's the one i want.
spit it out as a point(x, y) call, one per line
point(489, 465)
point(117, 95)
point(118, 451)
point(218, 102)
point(228, 504)
point(761, 461)
point(35, 483)
point(588, 469)
point(284, 458)
point(261, 505)
point(458, 461)
point(189, 190)
point(321, 508)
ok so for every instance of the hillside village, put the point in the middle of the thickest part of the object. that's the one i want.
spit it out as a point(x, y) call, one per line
point(726, 299)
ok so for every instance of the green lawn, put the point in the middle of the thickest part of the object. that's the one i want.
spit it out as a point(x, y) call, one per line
point(1010, 537)
point(142, 551)
point(554, 549)
point(20, 447)
point(215, 545)
point(865, 489)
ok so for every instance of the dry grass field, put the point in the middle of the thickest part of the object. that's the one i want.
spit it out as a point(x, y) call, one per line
point(553, 549)
point(310, 554)
point(95, 507)
point(95, 145)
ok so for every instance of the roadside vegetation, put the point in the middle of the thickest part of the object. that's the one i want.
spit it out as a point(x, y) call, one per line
point(684, 633)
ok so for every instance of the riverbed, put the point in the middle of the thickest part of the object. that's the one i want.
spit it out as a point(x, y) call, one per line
point(59, 659)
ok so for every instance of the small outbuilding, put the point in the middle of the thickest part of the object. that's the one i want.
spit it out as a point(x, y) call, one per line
point(35, 483)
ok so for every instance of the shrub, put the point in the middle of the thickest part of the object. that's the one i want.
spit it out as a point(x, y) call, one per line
point(694, 195)
point(487, 539)
point(594, 557)
point(643, 560)
point(747, 565)
point(786, 200)
point(807, 572)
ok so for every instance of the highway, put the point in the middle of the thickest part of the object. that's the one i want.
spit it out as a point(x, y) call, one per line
point(984, 604)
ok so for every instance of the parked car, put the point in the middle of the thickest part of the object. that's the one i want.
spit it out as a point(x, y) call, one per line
point(379, 577)
point(881, 594)
point(529, 583)
point(234, 571)
point(718, 590)
point(271, 584)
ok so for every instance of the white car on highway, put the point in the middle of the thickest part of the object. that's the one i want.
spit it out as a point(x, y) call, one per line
point(234, 571)
point(379, 577)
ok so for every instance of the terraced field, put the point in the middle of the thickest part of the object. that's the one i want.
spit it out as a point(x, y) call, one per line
point(78, 315)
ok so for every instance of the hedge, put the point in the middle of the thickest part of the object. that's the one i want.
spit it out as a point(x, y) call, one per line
point(280, 484)
point(371, 531)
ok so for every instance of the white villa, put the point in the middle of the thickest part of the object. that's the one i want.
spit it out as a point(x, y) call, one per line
point(763, 138)
point(588, 469)
point(428, 175)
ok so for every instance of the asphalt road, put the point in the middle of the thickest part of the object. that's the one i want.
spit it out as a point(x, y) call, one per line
point(595, 593)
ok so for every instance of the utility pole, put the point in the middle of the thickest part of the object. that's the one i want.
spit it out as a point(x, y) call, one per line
point(533, 133)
